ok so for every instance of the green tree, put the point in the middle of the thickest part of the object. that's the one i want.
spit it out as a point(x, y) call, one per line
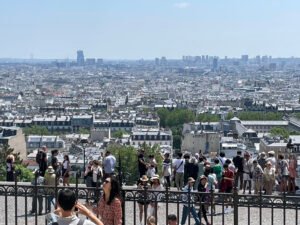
point(118, 134)
point(25, 174)
point(35, 130)
point(229, 116)
point(247, 115)
point(279, 131)
point(177, 141)
point(84, 131)
point(129, 161)
point(206, 117)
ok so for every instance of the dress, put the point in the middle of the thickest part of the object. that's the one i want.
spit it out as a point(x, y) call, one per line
point(110, 214)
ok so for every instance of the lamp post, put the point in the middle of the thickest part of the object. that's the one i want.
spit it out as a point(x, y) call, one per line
point(120, 169)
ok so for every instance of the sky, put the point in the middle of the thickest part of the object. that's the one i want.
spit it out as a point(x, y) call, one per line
point(135, 29)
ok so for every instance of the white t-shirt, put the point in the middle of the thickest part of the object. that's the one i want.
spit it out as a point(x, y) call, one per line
point(179, 165)
point(96, 171)
point(72, 220)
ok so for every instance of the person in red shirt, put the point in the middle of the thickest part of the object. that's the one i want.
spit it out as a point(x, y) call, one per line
point(227, 185)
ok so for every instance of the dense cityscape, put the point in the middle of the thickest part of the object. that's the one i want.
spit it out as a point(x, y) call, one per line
point(149, 112)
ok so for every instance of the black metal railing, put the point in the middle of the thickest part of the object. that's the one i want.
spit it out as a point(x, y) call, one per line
point(16, 201)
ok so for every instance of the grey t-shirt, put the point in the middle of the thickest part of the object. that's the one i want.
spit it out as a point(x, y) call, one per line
point(72, 220)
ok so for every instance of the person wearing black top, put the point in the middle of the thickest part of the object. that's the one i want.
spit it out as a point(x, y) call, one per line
point(202, 187)
point(238, 162)
point(10, 168)
point(41, 159)
point(142, 165)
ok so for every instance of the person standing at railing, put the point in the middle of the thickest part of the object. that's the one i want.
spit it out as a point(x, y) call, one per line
point(142, 165)
point(257, 177)
point(166, 169)
point(143, 202)
point(188, 206)
point(37, 194)
point(10, 167)
point(248, 172)
point(156, 186)
point(109, 164)
point(218, 170)
point(88, 176)
point(66, 170)
point(41, 159)
point(269, 178)
point(283, 173)
point(203, 198)
point(178, 171)
point(238, 162)
point(50, 180)
point(292, 173)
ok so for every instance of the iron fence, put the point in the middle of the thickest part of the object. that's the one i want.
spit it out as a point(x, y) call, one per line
point(16, 202)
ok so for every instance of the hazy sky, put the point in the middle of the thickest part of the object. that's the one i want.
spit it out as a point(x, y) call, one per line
point(133, 29)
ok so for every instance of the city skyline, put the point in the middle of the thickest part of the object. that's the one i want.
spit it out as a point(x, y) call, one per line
point(149, 29)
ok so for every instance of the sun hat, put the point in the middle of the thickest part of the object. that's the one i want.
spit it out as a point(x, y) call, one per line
point(50, 169)
point(191, 180)
point(155, 177)
point(271, 153)
point(144, 178)
point(202, 177)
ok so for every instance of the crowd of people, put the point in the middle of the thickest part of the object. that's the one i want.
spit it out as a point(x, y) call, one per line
point(188, 173)
point(264, 174)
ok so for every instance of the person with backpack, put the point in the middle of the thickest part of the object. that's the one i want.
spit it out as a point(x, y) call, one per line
point(178, 170)
point(66, 215)
point(41, 159)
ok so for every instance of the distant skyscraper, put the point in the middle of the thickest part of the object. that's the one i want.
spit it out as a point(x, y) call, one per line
point(99, 62)
point(156, 61)
point(215, 64)
point(80, 58)
point(91, 61)
point(257, 59)
point(245, 59)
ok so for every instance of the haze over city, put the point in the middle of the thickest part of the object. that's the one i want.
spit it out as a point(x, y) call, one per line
point(136, 29)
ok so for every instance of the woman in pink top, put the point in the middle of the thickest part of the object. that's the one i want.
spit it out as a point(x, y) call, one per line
point(110, 206)
point(292, 173)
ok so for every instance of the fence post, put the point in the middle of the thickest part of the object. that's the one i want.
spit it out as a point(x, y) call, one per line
point(36, 195)
point(167, 202)
point(16, 197)
point(235, 206)
point(57, 177)
point(76, 184)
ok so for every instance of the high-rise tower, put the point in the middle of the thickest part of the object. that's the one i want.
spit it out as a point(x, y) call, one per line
point(80, 58)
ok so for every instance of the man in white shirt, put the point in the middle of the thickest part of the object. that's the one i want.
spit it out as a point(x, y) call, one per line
point(178, 169)
point(271, 158)
point(109, 164)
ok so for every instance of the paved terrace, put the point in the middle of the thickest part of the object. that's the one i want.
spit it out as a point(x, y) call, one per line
point(269, 216)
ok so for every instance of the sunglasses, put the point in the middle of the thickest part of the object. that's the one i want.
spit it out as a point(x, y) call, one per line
point(106, 181)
